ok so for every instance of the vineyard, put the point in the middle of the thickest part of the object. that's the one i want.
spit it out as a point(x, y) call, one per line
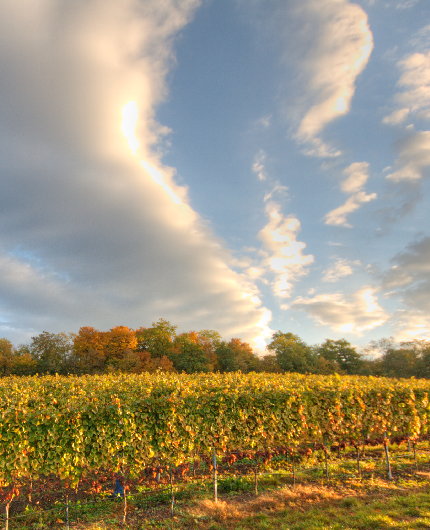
point(71, 428)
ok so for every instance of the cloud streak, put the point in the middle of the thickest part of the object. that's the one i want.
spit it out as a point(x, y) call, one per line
point(356, 175)
point(413, 158)
point(338, 46)
point(341, 268)
point(356, 314)
point(414, 98)
point(408, 279)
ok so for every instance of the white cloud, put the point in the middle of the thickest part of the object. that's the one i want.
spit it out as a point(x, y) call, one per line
point(414, 98)
point(337, 45)
point(284, 254)
point(408, 280)
point(341, 268)
point(409, 275)
point(258, 166)
point(277, 189)
point(338, 216)
point(396, 117)
point(404, 4)
point(413, 158)
point(83, 190)
point(359, 313)
point(411, 325)
point(356, 178)
point(264, 122)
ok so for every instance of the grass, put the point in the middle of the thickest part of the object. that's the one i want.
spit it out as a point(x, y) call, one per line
point(345, 501)
point(317, 507)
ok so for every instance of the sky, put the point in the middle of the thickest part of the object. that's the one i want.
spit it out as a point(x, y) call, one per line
point(239, 165)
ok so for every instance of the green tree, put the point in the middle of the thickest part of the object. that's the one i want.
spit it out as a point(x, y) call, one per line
point(52, 352)
point(158, 339)
point(269, 363)
point(400, 362)
point(292, 354)
point(341, 354)
point(325, 366)
point(236, 355)
point(424, 359)
point(189, 354)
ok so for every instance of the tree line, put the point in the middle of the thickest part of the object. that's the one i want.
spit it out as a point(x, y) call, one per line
point(160, 347)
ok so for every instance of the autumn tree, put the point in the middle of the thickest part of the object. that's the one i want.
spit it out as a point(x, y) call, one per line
point(23, 362)
point(236, 355)
point(189, 354)
point(89, 351)
point(6, 357)
point(119, 343)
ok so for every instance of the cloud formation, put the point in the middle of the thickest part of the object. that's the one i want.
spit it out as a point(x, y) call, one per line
point(356, 175)
point(408, 279)
point(258, 166)
point(341, 268)
point(414, 98)
point(413, 158)
point(410, 275)
point(284, 256)
point(338, 43)
point(355, 314)
point(95, 230)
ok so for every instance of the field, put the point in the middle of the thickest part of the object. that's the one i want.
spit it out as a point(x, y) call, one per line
point(272, 450)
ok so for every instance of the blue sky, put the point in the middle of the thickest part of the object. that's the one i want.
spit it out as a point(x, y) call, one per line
point(238, 165)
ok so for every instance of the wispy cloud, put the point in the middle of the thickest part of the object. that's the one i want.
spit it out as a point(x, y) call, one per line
point(409, 275)
point(355, 314)
point(284, 257)
point(258, 166)
point(413, 100)
point(338, 46)
point(341, 268)
point(411, 325)
point(356, 175)
point(413, 158)
point(404, 4)
point(408, 280)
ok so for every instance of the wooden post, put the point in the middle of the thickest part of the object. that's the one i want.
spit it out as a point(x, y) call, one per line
point(124, 513)
point(8, 503)
point(358, 462)
point(7, 516)
point(67, 512)
point(326, 463)
point(172, 494)
point(30, 490)
point(214, 462)
point(387, 459)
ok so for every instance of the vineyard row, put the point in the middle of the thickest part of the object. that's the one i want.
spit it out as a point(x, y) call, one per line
point(70, 426)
